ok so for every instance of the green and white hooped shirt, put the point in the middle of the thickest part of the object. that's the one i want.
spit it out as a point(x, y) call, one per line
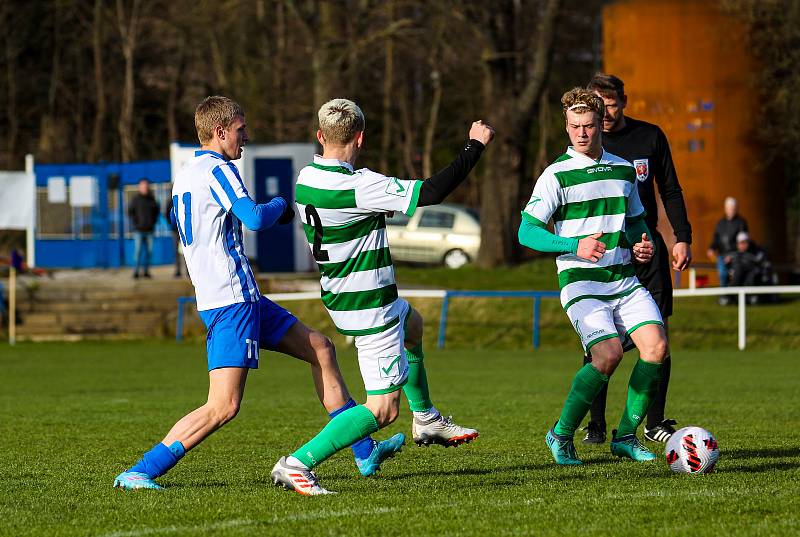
point(343, 212)
point(583, 197)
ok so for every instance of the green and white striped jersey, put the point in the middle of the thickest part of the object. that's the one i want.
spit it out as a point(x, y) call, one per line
point(343, 213)
point(583, 197)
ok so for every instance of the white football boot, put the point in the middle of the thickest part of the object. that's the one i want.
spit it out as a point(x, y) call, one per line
point(296, 478)
point(442, 431)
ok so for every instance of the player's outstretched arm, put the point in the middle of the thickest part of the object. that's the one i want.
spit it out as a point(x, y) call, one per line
point(437, 187)
point(540, 239)
point(262, 215)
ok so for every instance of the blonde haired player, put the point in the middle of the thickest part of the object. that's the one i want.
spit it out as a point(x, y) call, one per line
point(343, 211)
point(593, 200)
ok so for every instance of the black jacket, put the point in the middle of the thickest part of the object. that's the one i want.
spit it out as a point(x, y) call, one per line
point(143, 212)
point(645, 146)
point(724, 241)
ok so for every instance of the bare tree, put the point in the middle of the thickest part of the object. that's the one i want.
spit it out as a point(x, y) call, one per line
point(12, 49)
point(388, 90)
point(435, 61)
point(128, 24)
point(516, 68)
point(96, 147)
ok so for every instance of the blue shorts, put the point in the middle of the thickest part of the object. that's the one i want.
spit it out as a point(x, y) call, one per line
point(236, 332)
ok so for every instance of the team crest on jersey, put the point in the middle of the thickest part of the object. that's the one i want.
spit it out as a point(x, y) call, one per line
point(642, 169)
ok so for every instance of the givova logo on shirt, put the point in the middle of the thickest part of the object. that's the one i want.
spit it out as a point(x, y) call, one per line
point(396, 188)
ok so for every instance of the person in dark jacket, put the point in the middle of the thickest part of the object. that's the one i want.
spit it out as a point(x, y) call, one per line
point(143, 212)
point(723, 244)
point(749, 264)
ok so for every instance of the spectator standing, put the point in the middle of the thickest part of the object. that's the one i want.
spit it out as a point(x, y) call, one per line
point(143, 212)
point(724, 241)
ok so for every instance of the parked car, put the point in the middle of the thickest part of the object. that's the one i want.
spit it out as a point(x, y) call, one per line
point(445, 234)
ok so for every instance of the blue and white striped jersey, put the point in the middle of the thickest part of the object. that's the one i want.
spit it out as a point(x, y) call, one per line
point(203, 193)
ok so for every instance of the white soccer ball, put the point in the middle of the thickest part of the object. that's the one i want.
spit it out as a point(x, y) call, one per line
point(692, 450)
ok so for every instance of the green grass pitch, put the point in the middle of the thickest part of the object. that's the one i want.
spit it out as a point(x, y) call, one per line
point(74, 415)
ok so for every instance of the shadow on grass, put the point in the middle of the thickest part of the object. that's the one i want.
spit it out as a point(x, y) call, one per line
point(758, 468)
point(198, 485)
point(494, 471)
point(753, 456)
point(780, 453)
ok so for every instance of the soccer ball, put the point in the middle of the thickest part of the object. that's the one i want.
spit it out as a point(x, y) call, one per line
point(692, 450)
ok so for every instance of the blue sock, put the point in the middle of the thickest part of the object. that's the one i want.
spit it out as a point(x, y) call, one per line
point(159, 460)
point(363, 448)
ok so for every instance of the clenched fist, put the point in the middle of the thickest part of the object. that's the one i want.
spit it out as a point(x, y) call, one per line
point(483, 132)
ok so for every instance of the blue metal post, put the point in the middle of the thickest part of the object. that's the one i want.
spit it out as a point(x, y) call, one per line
point(537, 302)
point(179, 321)
point(443, 319)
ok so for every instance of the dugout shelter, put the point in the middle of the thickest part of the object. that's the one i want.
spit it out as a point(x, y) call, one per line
point(76, 214)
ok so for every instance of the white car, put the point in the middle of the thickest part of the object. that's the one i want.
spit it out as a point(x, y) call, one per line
point(445, 234)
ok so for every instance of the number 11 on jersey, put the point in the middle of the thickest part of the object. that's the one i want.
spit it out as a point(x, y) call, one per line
point(185, 225)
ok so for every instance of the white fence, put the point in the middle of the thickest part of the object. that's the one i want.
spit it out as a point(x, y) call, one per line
point(740, 292)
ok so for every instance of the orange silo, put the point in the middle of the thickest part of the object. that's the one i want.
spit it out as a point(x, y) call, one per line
point(687, 68)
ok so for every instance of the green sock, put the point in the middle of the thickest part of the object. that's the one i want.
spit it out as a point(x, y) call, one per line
point(416, 387)
point(341, 432)
point(641, 389)
point(586, 385)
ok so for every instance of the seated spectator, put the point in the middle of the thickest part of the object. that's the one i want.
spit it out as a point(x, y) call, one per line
point(723, 244)
point(749, 264)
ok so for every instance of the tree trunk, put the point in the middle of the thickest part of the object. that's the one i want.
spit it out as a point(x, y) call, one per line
point(128, 30)
point(176, 88)
point(324, 63)
point(436, 97)
point(512, 89)
point(430, 127)
point(278, 62)
point(218, 62)
point(408, 135)
point(388, 82)
point(542, 158)
point(96, 149)
point(11, 102)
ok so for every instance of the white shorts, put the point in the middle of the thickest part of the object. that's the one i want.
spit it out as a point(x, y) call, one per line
point(382, 357)
point(595, 320)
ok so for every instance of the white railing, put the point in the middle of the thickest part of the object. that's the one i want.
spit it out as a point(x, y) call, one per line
point(740, 292)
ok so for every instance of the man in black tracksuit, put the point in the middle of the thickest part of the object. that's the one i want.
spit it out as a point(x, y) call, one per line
point(646, 147)
point(143, 212)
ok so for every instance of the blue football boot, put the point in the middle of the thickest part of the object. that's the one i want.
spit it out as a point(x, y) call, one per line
point(380, 452)
point(629, 447)
point(562, 448)
point(135, 480)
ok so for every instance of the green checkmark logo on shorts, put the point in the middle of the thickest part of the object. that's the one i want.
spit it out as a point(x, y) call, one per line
point(391, 365)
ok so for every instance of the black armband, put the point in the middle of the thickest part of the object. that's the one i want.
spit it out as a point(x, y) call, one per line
point(437, 187)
